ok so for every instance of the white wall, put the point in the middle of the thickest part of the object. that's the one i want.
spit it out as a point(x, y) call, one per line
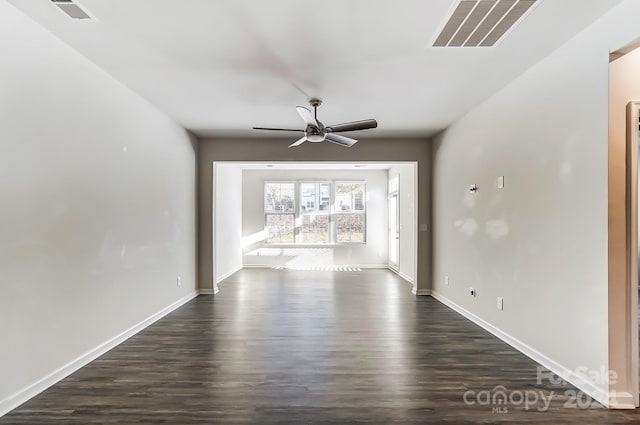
point(541, 242)
point(228, 216)
point(372, 254)
point(98, 207)
point(407, 219)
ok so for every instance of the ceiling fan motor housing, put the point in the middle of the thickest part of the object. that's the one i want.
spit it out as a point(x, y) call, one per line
point(316, 132)
point(314, 102)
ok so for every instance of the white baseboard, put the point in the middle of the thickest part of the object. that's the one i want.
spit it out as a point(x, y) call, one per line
point(581, 382)
point(406, 277)
point(316, 267)
point(226, 275)
point(419, 292)
point(620, 400)
point(18, 398)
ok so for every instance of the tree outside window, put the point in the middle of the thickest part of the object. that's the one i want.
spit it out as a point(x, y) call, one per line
point(279, 206)
point(350, 212)
point(320, 218)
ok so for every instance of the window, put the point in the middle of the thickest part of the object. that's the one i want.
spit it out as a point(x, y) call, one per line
point(315, 206)
point(279, 211)
point(320, 218)
point(350, 213)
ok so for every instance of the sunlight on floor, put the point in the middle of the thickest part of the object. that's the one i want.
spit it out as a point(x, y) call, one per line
point(320, 268)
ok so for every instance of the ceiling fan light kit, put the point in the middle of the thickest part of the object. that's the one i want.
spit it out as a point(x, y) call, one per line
point(316, 132)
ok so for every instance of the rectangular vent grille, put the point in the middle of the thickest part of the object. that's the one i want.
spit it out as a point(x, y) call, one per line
point(481, 23)
point(71, 9)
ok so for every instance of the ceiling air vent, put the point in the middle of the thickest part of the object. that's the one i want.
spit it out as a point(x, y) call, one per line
point(481, 23)
point(71, 9)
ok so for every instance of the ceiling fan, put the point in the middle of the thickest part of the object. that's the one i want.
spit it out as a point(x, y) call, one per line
point(315, 131)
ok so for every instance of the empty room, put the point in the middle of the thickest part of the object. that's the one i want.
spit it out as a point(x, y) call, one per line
point(293, 212)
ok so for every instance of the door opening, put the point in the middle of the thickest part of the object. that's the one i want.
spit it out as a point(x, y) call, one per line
point(633, 237)
point(394, 231)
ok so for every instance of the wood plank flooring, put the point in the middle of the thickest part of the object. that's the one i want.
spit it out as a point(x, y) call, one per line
point(302, 347)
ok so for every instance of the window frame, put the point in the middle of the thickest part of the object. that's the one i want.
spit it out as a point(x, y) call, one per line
point(331, 212)
point(328, 213)
point(363, 212)
point(267, 213)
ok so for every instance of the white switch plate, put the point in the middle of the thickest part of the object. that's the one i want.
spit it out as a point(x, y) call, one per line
point(446, 280)
point(501, 182)
point(178, 281)
point(499, 303)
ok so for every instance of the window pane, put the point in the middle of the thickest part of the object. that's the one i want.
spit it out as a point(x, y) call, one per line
point(350, 197)
point(315, 204)
point(309, 197)
point(325, 196)
point(394, 184)
point(279, 228)
point(315, 197)
point(315, 228)
point(350, 227)
point(358, 197)
point(279, 197)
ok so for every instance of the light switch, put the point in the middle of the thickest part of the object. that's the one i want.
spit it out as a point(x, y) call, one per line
point(501, 182)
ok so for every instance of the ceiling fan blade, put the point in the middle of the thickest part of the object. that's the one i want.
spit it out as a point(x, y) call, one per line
point(307, 116)
point(299, 142)
point(277, 129)
point(352, 126)
point(340, 140)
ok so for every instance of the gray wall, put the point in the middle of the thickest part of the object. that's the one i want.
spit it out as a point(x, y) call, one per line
point(258, 149)
point(541, 242)
point(371, 254)
point(98, 206)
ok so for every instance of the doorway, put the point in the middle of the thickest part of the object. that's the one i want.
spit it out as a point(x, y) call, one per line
point(394, 232)
point(624, 112)
point(394, 224)
point(633, 237)
point(238, 218)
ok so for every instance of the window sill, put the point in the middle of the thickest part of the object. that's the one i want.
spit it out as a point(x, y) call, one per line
point(318, 245)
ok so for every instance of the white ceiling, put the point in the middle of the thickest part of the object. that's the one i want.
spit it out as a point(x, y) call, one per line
point(220, 67)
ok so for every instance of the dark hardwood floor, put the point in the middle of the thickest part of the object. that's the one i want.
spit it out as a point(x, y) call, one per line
point(301, 347)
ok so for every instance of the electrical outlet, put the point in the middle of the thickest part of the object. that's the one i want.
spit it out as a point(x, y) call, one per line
point(446, 280)
point(179, 281)
point(499, 303)
point(472, 292)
